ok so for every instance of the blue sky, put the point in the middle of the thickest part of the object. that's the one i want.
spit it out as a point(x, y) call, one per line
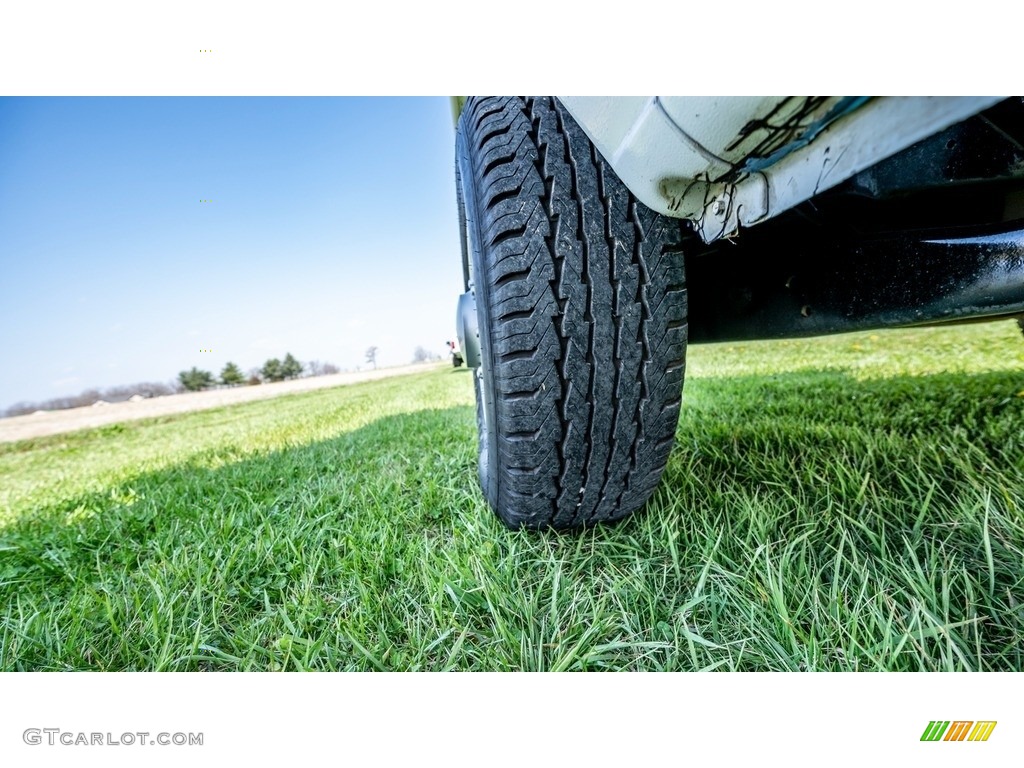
point(332, 227)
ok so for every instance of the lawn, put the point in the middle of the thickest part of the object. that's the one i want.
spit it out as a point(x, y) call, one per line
point(849, 503)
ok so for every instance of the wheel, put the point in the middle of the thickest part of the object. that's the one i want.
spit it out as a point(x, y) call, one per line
point(456, 361)
point(581, 312)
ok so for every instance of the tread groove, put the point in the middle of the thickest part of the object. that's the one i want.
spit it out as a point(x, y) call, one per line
point(501, 197)
point(508, 234)
point(511, 277)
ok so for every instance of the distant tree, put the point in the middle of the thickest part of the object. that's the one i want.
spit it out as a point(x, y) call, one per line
point(231, 375)
point(271, 370)
point(371, 356)
point(290, 367)
point(420, 355)
point(156, 389)
point(116, 394)
point(86, 397)
point(124, 392)
point(195, 379)
point(316, 368)
point(144, 388)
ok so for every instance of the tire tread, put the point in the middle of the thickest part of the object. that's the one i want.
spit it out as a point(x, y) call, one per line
point(587, 318)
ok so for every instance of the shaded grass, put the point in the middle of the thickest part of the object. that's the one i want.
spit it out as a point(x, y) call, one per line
point(826, 507)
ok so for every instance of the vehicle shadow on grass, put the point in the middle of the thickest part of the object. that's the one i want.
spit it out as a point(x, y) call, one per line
point(806, 521)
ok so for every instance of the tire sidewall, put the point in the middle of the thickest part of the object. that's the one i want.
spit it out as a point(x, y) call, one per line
point(472, 248)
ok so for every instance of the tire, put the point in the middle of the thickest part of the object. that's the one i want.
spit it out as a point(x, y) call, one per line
point(581, 305)
point(456, 361)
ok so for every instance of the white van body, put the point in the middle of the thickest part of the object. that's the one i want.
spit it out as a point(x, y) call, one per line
point(731, 162)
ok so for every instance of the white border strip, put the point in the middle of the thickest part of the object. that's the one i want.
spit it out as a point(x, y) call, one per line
point(513, 719)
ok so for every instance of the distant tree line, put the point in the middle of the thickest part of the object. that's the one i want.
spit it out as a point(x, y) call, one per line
point(116, 394)
point(274, 369)
point(192, 380)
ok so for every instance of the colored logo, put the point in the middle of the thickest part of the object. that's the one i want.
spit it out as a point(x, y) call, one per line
point(958, 730)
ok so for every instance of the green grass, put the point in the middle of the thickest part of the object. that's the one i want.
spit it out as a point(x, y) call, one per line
point(851, 503)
